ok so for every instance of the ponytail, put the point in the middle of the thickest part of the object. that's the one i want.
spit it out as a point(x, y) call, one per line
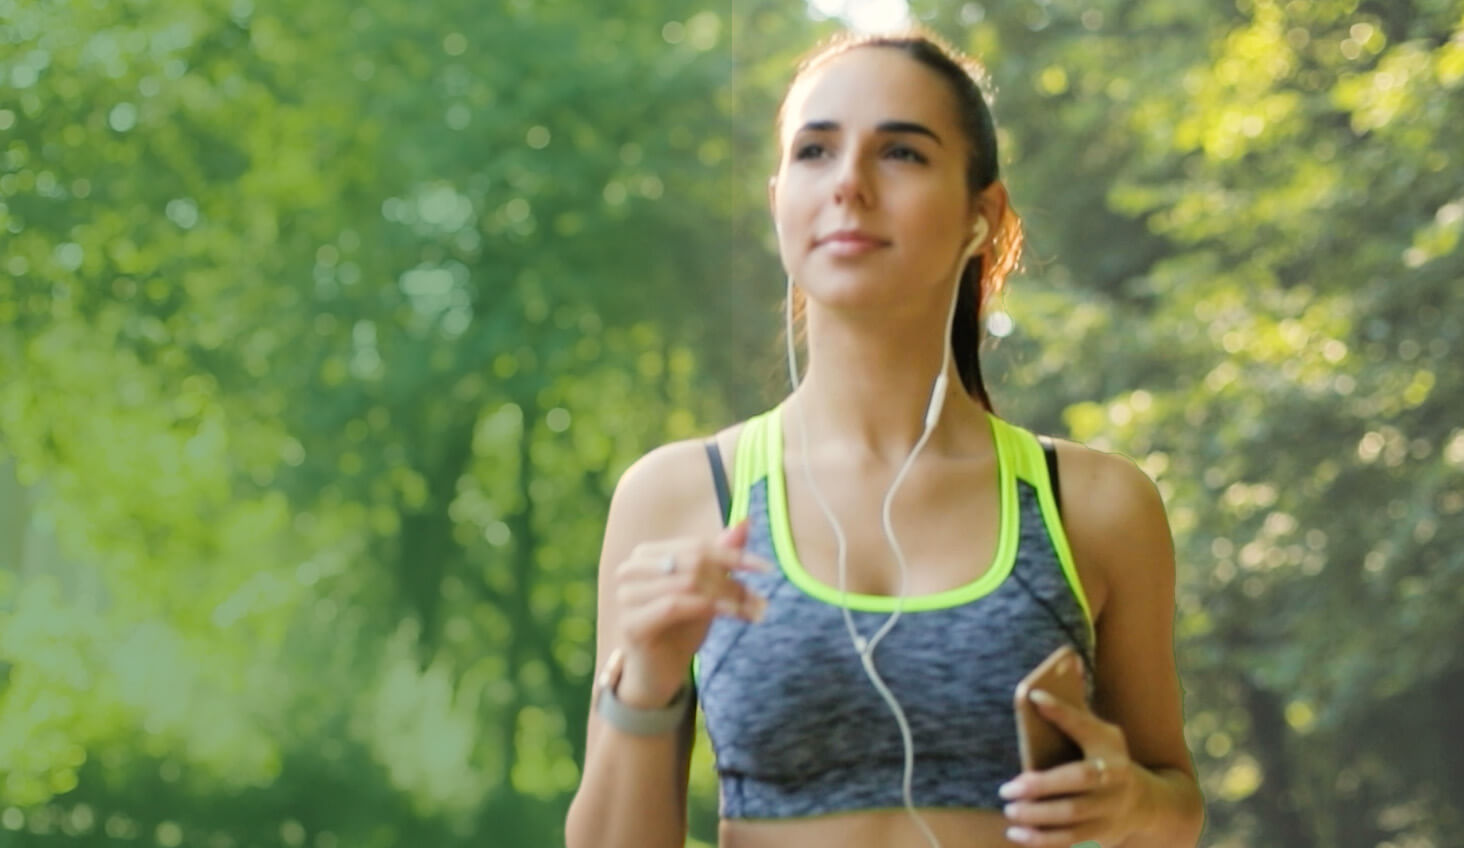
point(984, 279)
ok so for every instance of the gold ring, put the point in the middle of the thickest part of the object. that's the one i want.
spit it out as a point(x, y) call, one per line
point(1100, 765)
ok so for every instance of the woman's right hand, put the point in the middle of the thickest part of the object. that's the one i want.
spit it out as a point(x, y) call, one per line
point(664, 616)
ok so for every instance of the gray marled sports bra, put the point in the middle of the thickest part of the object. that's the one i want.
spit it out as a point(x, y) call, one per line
point(796, 726)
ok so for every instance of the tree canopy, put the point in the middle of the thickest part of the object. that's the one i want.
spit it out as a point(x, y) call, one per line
point(326, 331)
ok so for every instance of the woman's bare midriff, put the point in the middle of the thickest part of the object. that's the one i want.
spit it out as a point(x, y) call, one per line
point(873, 829)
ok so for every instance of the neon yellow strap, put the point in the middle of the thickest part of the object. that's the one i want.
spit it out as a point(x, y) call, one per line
point(744, 470)
point(1031, 465)
point(745, 466)
point(1001, 564)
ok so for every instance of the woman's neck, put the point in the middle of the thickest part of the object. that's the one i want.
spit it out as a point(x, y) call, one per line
point(862, 398)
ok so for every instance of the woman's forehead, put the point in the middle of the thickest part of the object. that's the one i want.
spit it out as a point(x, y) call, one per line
point(866, 86)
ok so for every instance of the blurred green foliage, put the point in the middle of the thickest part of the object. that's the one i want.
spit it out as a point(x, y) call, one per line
point(327, 329)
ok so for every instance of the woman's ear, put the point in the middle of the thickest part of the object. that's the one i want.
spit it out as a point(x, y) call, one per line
point(987, 209)
point(990, 203)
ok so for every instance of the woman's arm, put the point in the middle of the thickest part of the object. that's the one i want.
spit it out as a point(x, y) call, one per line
point(1136, 786)
point(1116, 523)
point(632, 791)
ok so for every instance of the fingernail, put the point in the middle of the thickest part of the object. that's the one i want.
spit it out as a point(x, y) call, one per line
point(1041, 697)
point(1010, 811)
point(1018, 834)
point(727, 608)
point(1010, 790)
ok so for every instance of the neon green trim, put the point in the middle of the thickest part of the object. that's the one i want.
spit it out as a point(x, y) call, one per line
point(1001, 564)
point(744, 469)
point(1032, 467)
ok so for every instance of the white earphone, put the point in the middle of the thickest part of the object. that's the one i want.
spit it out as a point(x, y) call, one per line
point(866, 647)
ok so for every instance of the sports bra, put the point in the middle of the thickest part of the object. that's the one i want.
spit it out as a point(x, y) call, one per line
point(797, 728)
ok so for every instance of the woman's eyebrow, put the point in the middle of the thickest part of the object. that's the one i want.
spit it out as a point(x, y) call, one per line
point(882, 127)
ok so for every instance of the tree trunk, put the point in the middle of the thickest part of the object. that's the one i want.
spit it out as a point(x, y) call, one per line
point(1277, 803)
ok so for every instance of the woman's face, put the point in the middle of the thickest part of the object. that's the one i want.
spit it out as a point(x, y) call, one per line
point(870, 197)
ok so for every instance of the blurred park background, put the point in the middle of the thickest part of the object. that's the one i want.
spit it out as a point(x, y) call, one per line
point(327, 328)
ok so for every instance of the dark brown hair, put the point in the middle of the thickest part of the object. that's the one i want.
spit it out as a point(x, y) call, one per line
point(986, 273)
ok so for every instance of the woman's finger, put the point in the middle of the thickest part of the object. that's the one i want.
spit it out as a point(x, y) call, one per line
point(725, 595)
point(1055, 812)
point(734, 535)
point(712, 582)
point(645, 622)
point(676, 560)
point(1087, 775)
point(723, 560)
point(1077, 723)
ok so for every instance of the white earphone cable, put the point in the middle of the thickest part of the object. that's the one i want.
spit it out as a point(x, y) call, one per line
point(932, 417)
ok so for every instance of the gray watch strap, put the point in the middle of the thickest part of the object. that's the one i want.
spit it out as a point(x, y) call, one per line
point(642, 722)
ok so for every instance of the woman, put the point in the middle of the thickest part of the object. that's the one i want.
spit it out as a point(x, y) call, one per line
point(886, 184)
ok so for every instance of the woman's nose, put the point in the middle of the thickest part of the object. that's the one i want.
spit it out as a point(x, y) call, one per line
point(852, 185)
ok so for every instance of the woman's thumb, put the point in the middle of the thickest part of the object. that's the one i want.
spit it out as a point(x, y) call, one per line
point(734, 536)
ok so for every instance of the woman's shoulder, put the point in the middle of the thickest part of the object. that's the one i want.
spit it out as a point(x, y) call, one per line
point(1103, 485)
point(1112, 513)
point(674, 483)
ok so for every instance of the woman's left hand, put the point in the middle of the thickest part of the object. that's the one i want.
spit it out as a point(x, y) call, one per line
point(1098, 798)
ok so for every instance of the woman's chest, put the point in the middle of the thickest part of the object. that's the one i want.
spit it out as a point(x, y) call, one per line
point(789, 696)
point(949, 534)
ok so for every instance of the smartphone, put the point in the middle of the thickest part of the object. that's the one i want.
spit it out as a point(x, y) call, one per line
point(1042, 745)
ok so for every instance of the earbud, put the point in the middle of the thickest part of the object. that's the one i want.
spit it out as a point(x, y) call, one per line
point(937, 401)
point(979, 231)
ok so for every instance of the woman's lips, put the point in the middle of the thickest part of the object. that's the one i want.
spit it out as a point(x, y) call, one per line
point(851, 243)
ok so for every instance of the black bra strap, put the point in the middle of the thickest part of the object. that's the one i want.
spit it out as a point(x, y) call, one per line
point(719, 477)
point(1049, 450)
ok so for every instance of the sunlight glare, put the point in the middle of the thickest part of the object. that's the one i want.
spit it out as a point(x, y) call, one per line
point(865, 15)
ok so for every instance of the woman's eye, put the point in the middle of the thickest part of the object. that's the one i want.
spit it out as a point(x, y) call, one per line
point(815, 151)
